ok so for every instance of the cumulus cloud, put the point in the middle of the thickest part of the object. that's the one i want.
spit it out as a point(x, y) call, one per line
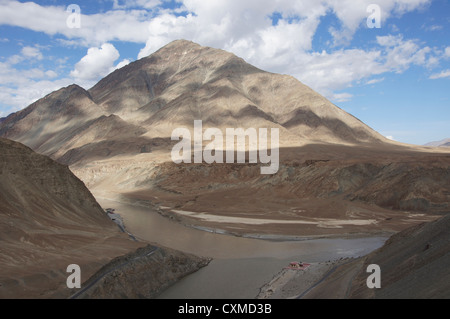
point(27, 53)
point(32, 52)
point(401, 54)
point(245, 29)
point(51, 74)
point(97, 63)
point(95, 29)
point(122, 64)
point(20, 88)
point(242, 27)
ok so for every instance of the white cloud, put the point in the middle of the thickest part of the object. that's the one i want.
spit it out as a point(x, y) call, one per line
point(217, 23)
point(27, 53)
point(442, 75)
point(245, 29)
point(10, 75)
point(242, 27)
point(394, 28)
point(375, 81)
point(433, 27)
point(20, 88)
point(148, 4)
point(51, 74)
point(341, 97)
point(353, 14)
point(401, 54)
point(32, 52)
point(447, 52)
point(389, 40)
point(123, 25)
point(390, 137)
point(122, 64)
point(97, 63)
point(14, 59)
point(164, 29)
point(338, 70)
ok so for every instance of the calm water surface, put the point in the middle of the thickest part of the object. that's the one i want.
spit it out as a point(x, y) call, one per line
point(241, 265)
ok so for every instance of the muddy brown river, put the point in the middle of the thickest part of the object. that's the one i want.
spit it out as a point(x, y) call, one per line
point(241, 266)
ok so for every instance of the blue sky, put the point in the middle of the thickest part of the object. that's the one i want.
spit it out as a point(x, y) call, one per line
point(395, 78)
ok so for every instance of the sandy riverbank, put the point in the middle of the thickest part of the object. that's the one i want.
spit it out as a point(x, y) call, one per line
point(298, 284)
point(241, 265)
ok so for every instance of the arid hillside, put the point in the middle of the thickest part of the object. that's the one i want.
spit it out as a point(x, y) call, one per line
point(336, 174)
point(50, 220)
point(171, 88)
point(413, 264)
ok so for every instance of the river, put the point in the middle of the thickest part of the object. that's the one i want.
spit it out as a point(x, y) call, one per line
point(241, 265)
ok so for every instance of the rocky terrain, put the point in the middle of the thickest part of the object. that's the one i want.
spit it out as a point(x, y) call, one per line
point(414, 265)
point(347, 193)
point(142, 274)
point(146, 100)
point(50, 220)
point(337, 176)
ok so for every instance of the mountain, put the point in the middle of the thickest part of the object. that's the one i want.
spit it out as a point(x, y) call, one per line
point(178, 84)
point(443, 143)
point(49, 220)
point(53, 120)
point(414, 264)
point(116, 137)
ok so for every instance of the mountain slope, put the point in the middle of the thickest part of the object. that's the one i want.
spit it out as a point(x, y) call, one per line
point(49, 220)
point(176, 85)
point(443, 143)
point(414, 264)
point(184, 81)
point(49, 123)
point(119, 144)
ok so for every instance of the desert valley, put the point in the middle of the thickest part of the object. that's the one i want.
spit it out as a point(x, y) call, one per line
point(343, 197)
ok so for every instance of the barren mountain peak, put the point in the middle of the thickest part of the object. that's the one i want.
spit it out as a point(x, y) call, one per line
point(181, 44)
point(190, 52)
point(178, 84)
